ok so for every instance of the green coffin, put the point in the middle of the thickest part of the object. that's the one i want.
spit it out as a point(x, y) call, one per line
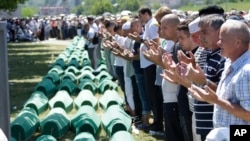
point(116, 119)
point(73, 69)
point(87, 84)
point(57, 69)
point(107, 85)
point(46, 86)
point(63, 100)
point(38, 101)
point(25, 124)
point(86, 120)
point(85, 136)
point(85, 97)
point(60, 62)
point(109, 98)
point(103, 75)
point(56, 123)
point(122, 136)
point(68, 85)
point(54, 77)
point(46, 138)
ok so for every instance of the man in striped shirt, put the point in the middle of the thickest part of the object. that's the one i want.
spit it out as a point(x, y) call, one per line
point(232, 96)
point(209, 75)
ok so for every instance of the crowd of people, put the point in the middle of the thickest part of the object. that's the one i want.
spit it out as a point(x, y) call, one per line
point(186, 70)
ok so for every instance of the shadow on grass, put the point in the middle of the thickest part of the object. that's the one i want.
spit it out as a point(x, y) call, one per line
point(27, 63)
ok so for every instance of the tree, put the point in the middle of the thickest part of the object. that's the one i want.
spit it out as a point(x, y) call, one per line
point(10, 5)
point(131, 5)
point(28, 12)
point(99, 7)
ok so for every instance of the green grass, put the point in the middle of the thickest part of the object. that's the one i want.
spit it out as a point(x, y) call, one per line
point(227, 7)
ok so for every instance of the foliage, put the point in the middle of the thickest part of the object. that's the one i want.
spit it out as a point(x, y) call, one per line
point(156, 6)
point(227, 6)
point(102, 6)
point(131, 5)
point(28, 11)
point(10, 5)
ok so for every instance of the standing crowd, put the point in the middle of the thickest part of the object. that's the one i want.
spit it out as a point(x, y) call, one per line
point(187, 71)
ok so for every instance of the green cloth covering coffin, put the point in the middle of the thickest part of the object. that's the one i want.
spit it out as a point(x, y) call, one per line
point(109, 98)
point(103, 75)
point(73, 70)
point(84, 136)
point(46, 86)
point(25, 124)
point(116, 119)
point(86, 120)
point(46, 138)
point(87, 74)
point(107, 85)
point(38, 101)
point(57, 69)
point(68, 85)
point(56, 123)
point(87, 84)
point(62, 100)
point(85, 97)
point(54, 77)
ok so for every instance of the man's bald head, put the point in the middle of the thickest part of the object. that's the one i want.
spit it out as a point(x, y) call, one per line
point(237, 29)
point(171, 19)
point(168, 27)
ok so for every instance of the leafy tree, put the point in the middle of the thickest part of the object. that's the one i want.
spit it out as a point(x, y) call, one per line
point(131, 5)
point(28, 11)
point(102, 6)
point(10, 5)
point(78, 10)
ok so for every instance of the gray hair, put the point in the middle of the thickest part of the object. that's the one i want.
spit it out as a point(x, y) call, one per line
point(213, 20)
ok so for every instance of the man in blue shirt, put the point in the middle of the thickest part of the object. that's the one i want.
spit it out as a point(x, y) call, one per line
point(232, 97)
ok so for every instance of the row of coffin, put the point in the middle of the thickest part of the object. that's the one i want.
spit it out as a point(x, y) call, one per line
point(55, 93)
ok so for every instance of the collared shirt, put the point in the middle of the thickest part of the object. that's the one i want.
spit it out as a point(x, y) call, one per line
point(213, 69)
point(120, 41)
point(90, 35)
point(151, 32)
point(234, 87)
point(215, 66)
point(200, 57)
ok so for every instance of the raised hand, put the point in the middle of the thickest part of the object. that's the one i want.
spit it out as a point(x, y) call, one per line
point(206, 94)
point(184, 58)
point(167, 61)
point(196, 75)
point(135, 36)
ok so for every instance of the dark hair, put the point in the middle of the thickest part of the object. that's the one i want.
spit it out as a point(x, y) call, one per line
point(110, 24)
point(145, 9)
point(117, 27)
point(212, 9)
point(214, 20)
point(183, 26)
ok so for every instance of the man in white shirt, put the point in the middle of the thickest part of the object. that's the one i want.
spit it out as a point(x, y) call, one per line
point(91, 47)
point(153, 91)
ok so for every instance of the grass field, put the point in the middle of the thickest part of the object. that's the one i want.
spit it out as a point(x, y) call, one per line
point(227, 6)
point(28, 63)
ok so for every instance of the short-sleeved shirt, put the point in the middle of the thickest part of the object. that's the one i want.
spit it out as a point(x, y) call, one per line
point(234, 87)
point(90, 34)
point(151, 32)
point(170, 90)
point(213, 68)
point(120, 41)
